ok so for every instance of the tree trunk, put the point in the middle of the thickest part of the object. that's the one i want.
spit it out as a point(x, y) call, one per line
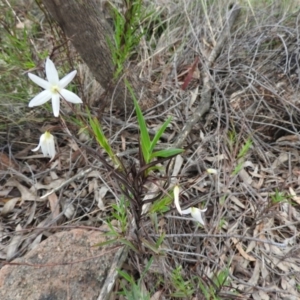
point(86, 26)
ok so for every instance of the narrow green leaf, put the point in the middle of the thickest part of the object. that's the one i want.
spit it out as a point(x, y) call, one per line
point(126, 276)
point(166, 153)
point(161, 205)
point(102, 140)
point(147, 267)
point(160, 240)
point(129, 244)
point(245, 148)
point(106, 243)
point(145, 138)
point(159, 134)
point(151, 246)
point(146, 153)
point(238, 168)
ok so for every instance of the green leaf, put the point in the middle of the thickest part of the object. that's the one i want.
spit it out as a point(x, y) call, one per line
point(161, 205)
point(150, 246)
point(106, 243)
point(245, 148)
point(160, 240)
point(102, 140)
point(159, 134)
point(166, 153)
point(145, 138)
point(238, 168)
point(129, 244)
point(126, 276)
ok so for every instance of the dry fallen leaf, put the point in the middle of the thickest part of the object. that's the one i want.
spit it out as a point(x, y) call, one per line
point(36, 242)
point(99, 196)
point(177, 165)
point(26, 194)
point(9, 205)
point(244, 176)
point(5, 192)
point(14, 244)
point(52, 185)
point(54, 205)
point(260, 295)
point(31, 213)
point(156, 295)
point(68, 210)
point(194, 94)
point(283, 157)
point(6, 162)
point(255, 275)
point(236, 201)
point(241, 250)
point(294, 196)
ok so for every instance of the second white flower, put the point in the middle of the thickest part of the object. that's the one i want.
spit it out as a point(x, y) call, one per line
point(47, 145)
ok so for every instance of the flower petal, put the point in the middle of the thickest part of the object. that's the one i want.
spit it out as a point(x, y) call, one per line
point(42, 138)
point(176, 198)
point(36, 148)
point(40, 99)
point(49, 147)
point(196, 214)
point(51, 72)
point(39, 81)
point(186, 211)
point(67, 79)
point(212, 171)
point(55, 104)
point(70, 96)
point(47, 144)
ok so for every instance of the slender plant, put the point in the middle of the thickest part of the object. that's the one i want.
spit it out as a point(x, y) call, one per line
point(148, 145)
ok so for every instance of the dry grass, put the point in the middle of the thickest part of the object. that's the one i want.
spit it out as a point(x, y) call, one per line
point(252, 229)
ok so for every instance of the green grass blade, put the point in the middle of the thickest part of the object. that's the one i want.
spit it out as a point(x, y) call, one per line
point(102, 140)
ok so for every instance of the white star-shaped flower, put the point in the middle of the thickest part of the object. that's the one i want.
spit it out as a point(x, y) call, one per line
point(53, 88)
point(47, 145)
point(195, 212)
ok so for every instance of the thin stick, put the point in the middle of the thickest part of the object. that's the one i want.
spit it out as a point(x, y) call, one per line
point(112, 275)
point(80, 174)
point(227, 236)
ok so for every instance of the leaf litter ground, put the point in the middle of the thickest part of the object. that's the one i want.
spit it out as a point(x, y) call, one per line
point(252, 221)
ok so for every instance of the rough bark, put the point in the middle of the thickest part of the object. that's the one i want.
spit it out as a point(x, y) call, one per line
point(86, 26)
